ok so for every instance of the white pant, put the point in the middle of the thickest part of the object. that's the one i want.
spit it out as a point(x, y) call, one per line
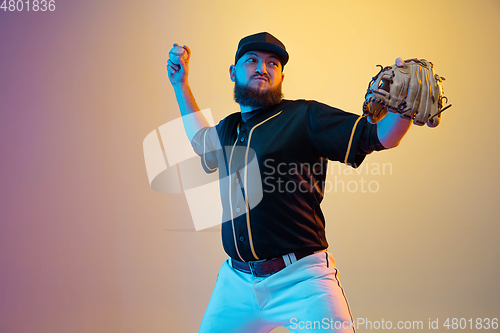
point(305, 296)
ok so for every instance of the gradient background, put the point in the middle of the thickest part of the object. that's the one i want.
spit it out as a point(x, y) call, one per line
point(87, 246)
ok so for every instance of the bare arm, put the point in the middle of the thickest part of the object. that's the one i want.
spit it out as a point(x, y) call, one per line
point(391, 129)
point(178, 76)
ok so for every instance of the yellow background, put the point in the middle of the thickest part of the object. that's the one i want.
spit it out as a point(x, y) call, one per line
point(87, 246)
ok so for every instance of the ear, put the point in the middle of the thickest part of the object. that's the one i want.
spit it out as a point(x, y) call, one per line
point(232, 72)
point(282, 76)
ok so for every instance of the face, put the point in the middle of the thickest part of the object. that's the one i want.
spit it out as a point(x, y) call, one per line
point(258, 77)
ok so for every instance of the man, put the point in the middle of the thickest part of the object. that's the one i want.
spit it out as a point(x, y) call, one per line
point(272, 158)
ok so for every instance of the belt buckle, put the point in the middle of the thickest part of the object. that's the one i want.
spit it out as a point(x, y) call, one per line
point(251, 264)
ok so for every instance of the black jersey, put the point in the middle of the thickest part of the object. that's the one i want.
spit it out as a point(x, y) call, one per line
point(272, 171)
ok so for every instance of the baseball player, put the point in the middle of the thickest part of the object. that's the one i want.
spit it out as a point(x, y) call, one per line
point(272, 161)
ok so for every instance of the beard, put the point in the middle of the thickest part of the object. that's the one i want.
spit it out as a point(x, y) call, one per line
point(247, 96)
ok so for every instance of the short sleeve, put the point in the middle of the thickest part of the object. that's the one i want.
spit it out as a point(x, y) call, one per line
point(206, 143)
point(340, 136)
point(369, 141)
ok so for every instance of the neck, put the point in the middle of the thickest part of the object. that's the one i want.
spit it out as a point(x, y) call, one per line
point(245, 108)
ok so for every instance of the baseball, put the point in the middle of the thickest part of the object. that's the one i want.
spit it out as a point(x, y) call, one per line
point(176, 53)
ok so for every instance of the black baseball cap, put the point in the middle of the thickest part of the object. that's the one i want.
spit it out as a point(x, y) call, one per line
point(263, 41)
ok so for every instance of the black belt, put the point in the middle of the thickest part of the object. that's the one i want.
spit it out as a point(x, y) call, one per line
point(267, 267)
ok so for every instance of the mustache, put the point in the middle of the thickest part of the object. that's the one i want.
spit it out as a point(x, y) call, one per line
point(261, 76)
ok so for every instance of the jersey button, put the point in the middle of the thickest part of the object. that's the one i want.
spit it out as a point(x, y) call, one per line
point(242, 139)
point(238, 209)
point(243, 129)
point(242, 238)
point(237, 181)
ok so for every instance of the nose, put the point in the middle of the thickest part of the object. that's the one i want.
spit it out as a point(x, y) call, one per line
point(261, 68)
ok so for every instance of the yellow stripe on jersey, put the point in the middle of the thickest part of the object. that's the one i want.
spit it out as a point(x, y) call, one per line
point(350, 139)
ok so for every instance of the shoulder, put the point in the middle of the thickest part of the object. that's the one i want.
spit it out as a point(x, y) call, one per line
point(297, 106)
point(289, 103)
point(312, 109)
point(312, 105)
point(322, 107)
point(229, 121)
point(231, 117)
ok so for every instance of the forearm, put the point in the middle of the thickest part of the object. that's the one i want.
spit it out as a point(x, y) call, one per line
point(192, 119)
point(391, 129)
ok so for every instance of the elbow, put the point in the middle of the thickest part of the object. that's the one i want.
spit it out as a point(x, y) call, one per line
point(390, 144)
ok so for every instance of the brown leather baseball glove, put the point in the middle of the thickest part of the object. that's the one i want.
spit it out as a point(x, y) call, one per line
point(410, 88)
